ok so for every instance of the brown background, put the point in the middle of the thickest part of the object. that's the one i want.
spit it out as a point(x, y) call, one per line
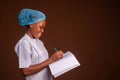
point(90, 29)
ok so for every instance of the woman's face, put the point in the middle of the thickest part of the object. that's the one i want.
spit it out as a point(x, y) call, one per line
point(37, 29)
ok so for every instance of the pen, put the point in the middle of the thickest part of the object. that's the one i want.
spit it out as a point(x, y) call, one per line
point(55, 49)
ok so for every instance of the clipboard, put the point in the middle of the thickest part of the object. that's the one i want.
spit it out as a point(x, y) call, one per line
point(67, 63)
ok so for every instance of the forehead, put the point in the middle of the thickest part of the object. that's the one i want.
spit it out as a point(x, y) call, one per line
point(41, 23)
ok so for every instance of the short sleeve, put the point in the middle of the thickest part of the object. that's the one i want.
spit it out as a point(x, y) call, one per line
point(23, 52)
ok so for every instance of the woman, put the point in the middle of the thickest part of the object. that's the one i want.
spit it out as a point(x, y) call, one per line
point(32, 55)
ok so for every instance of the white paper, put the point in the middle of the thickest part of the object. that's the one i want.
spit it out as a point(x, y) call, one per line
point(67, 63)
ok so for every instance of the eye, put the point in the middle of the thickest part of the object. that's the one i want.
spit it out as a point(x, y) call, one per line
point(41, 27)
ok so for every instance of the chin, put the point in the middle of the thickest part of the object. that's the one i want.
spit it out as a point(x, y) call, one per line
point(37, 37)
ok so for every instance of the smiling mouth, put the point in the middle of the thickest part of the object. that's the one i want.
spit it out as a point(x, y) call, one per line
point(40, 33)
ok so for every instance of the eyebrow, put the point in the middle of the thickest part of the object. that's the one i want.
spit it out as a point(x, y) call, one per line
point(42, 26)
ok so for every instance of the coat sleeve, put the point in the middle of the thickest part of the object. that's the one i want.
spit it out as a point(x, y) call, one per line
point(23, 51)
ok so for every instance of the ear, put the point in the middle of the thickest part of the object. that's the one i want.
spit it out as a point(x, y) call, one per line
point(31, 25)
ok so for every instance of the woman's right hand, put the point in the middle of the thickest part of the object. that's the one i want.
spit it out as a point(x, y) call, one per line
point(56, 56)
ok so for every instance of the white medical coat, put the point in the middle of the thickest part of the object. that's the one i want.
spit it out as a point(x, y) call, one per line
point(32, 51)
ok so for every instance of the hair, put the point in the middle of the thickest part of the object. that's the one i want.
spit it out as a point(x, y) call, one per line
point(27, 26)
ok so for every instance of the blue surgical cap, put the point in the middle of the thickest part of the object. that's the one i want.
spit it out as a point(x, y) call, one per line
point(30, 16)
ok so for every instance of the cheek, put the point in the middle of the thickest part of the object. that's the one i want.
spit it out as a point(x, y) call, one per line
point(36, 30)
